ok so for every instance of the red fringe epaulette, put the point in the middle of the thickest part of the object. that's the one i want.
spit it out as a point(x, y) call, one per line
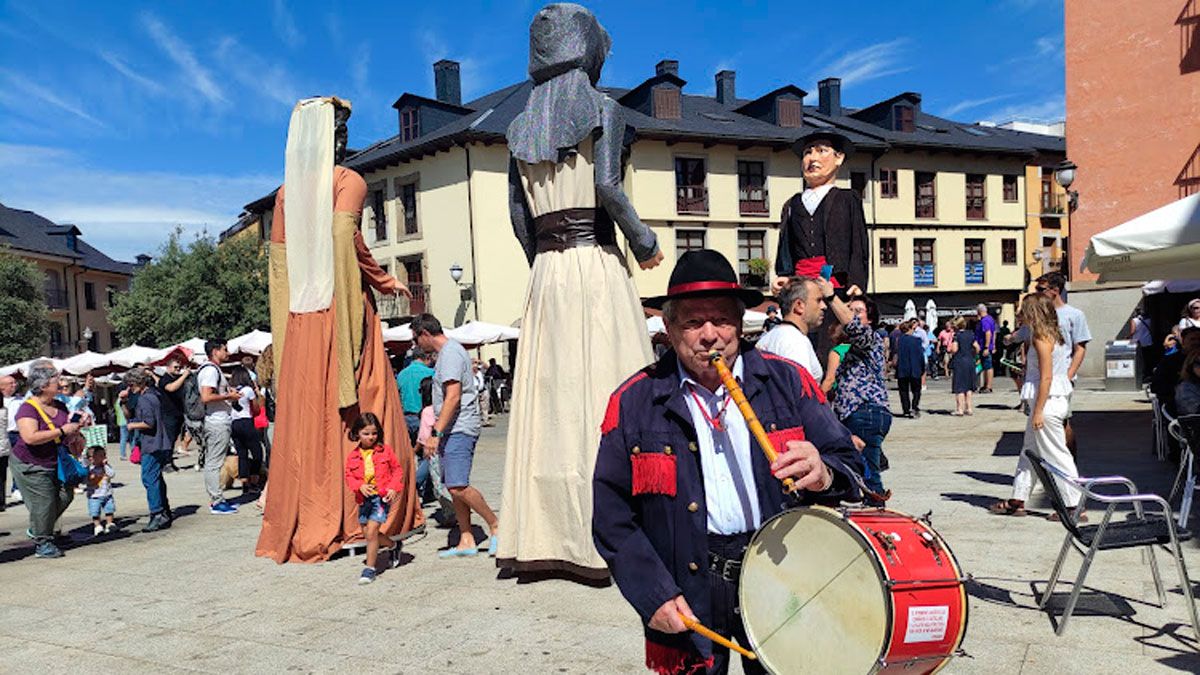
point(612, 414)
point(808, 386)
point(653, 473)
point(666, 660)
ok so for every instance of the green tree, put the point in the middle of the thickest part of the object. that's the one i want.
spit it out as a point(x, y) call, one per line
point(24, 327)
point(195, 290)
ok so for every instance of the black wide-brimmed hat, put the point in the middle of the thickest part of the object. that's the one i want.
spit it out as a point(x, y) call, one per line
point(837, 140)
point(704, 273)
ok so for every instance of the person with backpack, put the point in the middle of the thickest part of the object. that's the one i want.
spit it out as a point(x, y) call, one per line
point(193, 415)
point(218, 401)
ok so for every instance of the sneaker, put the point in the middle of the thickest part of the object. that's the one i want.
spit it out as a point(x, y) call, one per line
point(368, 575)
point(15, 497)
point(110, 528)
point(97, 530)
point(222, 508)
point(198, 467)
point(157, 522)
point(47, 549)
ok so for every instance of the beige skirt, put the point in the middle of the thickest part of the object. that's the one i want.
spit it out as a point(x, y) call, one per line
point(583, 334)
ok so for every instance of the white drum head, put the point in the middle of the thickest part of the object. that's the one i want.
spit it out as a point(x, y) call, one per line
point(812, 596)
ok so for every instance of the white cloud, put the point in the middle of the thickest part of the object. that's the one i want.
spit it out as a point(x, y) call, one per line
point(285, 24)
point(259, 76)
point(123, 68)
point(870, 62)
point(971, 103)
point(1052, 109)
point(22, 92)
point(360, 69)
point(122, 213)
point(197, 76)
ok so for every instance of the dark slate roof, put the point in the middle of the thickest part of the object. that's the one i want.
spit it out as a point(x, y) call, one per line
point(29, 232)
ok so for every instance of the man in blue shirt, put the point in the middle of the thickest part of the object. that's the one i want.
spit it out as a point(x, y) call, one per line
point(409, 381)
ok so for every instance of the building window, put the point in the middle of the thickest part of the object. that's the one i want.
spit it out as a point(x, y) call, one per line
point(410, 124)
point(56, 296)
point(414, 274)
point(688, 240)
point(902, 117)
point(93, 342)
point(377, 212)
point(56, 340)
point(789, 112)
point(1050, 201)
point(1010, 188)
point(114, 342)
point(752, 254)
point(691, 195)
point(888, 188)
point(1008, 251)
point(976, 196)
point(923, 263)
point(858, 183)
point(89, 295)
point(752, 188)
point(887, 252)
point(110, 292)
point(973, 254)
point(408, 201)
point(926, 195)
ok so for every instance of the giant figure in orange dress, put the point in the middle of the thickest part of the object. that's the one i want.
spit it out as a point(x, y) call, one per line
point(328, 344)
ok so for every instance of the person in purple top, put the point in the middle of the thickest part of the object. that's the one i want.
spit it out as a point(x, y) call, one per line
point(35, 457)
point(985, 335)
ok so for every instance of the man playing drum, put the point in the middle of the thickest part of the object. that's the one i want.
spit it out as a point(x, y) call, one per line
point(681, 484)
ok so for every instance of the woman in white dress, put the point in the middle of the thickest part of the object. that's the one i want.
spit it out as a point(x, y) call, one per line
point(583, 331)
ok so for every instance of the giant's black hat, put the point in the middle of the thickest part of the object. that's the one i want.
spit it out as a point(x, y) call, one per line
point(836, 139)
point(704, 273)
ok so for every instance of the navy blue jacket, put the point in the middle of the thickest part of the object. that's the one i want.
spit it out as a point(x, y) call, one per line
point(910, 356)
point(655, 543)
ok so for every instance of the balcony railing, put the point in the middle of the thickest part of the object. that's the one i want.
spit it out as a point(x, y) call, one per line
point(691, 199)
point(753, 202)
point(1054, 204)
point(977, 208)
point(396, 306)
point(56, 298)
point(926, 207)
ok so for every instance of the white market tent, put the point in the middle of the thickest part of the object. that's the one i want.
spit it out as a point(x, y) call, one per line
point(752, 322)
point(482, 333)
point(401, 333)
point(82, 364)
point(134, 355)
point(253, 343)
point(1161, 244)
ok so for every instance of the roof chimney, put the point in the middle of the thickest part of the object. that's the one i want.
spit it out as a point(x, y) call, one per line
point(667, 67)
point(830, 96)
point(726, 92)
point(142, 260)
point(446, 82)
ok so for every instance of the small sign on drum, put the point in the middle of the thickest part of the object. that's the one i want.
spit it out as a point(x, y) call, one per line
point(927, 624)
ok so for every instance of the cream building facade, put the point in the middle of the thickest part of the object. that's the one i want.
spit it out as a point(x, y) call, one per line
point(948, 204)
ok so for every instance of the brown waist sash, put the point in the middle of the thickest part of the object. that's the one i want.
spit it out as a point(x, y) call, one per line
point(566, 229)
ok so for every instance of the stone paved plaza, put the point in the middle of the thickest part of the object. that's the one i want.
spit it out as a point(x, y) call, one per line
point(195, 598)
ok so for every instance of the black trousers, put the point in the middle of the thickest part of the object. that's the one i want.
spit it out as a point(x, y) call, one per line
point(726, 614)
point(249, 448)
point(910, 387)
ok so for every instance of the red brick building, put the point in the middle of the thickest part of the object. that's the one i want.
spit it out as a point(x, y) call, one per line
point(1133, 128)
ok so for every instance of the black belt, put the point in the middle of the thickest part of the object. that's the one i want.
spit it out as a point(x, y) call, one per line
point(569, 228)
point(725, 553)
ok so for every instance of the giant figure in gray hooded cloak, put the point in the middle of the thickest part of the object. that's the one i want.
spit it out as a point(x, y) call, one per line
point(583, 331)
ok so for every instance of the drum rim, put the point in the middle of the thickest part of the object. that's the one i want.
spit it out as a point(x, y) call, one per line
point(836, 516)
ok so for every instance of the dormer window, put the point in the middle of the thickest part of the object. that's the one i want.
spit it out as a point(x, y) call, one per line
point(789, 112)
point(902, 118)
point(72, 242)
point(410, 124)
point(666, 103)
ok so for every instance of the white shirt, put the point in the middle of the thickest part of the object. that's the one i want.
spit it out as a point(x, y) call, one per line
point(247, 396)
point(12, 404)
point(730, 494)
point(787, 341)
point(210, 375)
point(812, 197)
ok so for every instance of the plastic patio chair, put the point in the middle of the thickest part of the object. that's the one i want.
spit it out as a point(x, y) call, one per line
point(1143, 530)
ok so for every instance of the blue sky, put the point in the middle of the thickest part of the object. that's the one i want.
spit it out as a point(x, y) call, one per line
point(129, 118)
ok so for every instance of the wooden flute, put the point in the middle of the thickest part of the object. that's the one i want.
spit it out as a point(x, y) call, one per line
point(739, 399)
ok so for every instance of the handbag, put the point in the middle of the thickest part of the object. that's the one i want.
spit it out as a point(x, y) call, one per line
point(135, 455)
point(71, 471)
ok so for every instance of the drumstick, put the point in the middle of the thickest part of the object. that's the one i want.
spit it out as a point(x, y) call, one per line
point(695, 625)
point(739, 398)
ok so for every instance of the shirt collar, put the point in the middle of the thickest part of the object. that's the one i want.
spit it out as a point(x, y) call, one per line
point(686, 379)
point(819, 191)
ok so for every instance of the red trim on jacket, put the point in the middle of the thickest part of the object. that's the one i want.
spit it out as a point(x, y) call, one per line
point(612, 415)
point(808, 385)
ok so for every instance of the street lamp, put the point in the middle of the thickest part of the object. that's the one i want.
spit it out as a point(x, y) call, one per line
point(1064, 175)
point(87, 339)
point(467, 290)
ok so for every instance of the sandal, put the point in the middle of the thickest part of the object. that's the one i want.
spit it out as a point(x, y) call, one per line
point(957, 413)
point(1053, 517)
point(1006, 507)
